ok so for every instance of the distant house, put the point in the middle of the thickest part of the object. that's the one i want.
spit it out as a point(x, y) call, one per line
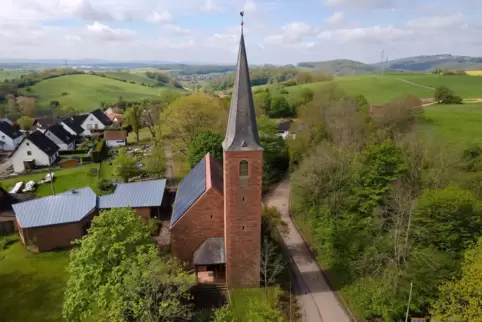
point(73, 124)
point(10, 137)
point(95, 120)
point(43, 123)
point(54, 222)
point(115, 138)
point(59, 135)
point(116, 118)
point(35, 150)
point(6, 120)
point(284, 128)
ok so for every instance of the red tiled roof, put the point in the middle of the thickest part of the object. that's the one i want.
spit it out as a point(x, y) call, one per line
point(115, 135)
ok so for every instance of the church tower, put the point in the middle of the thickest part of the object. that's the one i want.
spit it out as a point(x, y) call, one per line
point(243, 169)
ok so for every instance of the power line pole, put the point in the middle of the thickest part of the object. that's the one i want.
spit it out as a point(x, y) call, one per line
point(409, 299)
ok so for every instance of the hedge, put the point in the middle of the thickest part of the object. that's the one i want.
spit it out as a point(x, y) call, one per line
point(100, 152)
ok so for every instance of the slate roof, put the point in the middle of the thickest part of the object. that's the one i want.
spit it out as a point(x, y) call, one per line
point(115, 135)
point(101, 117)
point(217, 174)
point(75, 122)
point(45, 121)
point(135, 195)
point(59, 131)
point(284, 126)
point(211, 252)
point(8, 199)
point(67, 207)
point(9, 130)
point(42, 142)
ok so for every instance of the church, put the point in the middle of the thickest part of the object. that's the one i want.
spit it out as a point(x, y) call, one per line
point(216, 220)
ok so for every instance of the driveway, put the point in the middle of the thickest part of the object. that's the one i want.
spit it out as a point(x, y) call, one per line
point(317, 301)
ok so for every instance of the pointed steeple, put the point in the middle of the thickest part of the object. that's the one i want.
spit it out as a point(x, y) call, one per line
point(242, 131)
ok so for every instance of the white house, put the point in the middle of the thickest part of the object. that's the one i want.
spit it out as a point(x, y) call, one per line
point(73, 124)
point(6, 120)
point(95, 120)
point(64, 140)
point(36, 150)
point(115, 138)
point(10, 137)
point(284, 128)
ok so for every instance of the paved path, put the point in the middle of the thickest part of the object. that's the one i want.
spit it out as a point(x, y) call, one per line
point(315, 298)
point(415, 84)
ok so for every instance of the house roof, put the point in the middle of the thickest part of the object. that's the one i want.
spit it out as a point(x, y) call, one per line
point(42, 142)
point(10, 130)
point(45, 121)
point(4, 119)
point(135, 195)
point(115, 135)
point(217, 175)
point(284, 126)
point(113, 116)
point(75, 122)
point(211, 252)
point(242, 130)
point(8, 199)
point(189, 190)
point(101, 117)
point(68, 207)
point(59, 131)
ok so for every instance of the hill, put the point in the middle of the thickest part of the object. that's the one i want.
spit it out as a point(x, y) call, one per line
point(11, 74)
point(85, 92)
point(340, 67)
point(138, 78)
point(429, 63)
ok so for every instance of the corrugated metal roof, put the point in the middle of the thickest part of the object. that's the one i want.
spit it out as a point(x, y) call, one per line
point(189, 190)
point(67, 207)
point(211, 252)
point(134, 195)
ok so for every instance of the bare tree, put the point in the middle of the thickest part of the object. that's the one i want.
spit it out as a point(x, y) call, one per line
point(272, 263)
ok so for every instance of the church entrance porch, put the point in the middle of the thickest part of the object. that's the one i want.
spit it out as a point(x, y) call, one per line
point(210, 261)
point(211, 274)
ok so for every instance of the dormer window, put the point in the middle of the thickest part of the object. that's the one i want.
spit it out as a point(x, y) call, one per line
point(243, 169)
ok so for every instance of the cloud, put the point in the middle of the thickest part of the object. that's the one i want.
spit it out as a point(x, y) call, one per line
point(250, 6)
point(335, 18)
point(175, 30)
point(105, 33)
point(156, 17)
point(211, 6)
point(364, 4)
point(290, 34)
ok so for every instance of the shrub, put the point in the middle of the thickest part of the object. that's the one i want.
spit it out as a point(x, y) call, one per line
point(65, 94)
point(100, 152)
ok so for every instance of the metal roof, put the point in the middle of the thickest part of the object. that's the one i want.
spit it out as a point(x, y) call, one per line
point(189, 190)
point(135, 195)
point(211, 252)
point(67, 207)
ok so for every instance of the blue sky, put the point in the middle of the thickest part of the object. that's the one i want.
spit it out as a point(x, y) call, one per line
point(277, 31)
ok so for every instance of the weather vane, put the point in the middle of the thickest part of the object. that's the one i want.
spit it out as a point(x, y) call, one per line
point(242, 19)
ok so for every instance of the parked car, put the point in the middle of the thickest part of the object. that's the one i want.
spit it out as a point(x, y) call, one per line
point(30, 186)
point(47, 178)
point(17, 187)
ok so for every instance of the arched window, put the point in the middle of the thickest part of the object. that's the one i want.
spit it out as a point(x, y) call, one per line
point(243, 168)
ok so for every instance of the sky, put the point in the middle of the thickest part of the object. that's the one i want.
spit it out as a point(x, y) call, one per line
point(207, 31)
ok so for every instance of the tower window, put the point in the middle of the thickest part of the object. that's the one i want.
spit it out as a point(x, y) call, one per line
point(243, 168)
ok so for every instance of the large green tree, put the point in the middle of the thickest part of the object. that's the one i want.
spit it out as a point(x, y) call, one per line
point(124, 166)
point(205, 142)
point(133, 117)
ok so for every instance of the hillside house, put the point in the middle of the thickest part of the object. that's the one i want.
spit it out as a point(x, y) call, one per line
point(43, 123)
point(116, 118)
point(10, 137)
point(59, 135)
point(95, 120)
point(115, 138)
point(35, 150)
point(73, 124)
point(284, 128)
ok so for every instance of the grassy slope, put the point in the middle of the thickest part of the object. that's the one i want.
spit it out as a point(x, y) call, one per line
point(139, 78)
point(11, 74)
point(465, 86)
point(85, 92)
point(32, 285)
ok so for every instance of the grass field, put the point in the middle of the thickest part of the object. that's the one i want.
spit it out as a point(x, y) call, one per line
point(64, 179)
point(139, 78)
point(85, 92)
point(465, 86)
point(240, 299)
point(32, 285)
point(10, 74)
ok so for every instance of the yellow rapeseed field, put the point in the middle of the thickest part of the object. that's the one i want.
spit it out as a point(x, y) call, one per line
point(474, 72)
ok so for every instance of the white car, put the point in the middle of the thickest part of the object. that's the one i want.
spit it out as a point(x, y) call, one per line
point(30, 186)
point(17, 187)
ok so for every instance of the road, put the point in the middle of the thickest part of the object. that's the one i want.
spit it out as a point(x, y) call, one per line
point(317, 301)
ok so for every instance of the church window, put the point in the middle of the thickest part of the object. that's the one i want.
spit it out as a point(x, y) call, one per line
point(243, 168)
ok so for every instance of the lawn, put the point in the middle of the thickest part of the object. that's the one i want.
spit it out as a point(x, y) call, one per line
point(455, 125)
point(65, 179)
point(139, 78)
point(32, 285)
point(86, 92)
point(144, 136)
point(465, 86)
point(10, 74)
point(240, 299)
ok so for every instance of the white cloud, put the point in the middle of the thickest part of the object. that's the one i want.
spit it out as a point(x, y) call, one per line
point(335, 18)
point(175, 30)
point(106, 33)
point(211, 6)
point(156, 17)
point(364, 4)
point(250, 6)
point(439, 22)
point(291, 34)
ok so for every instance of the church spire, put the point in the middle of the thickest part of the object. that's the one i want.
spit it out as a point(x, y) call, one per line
point(242, 131)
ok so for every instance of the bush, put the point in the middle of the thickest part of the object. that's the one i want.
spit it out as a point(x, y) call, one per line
point(105, 187)
point(100, 152)
point(444, 95)
point(80, 151)
point(65, 94)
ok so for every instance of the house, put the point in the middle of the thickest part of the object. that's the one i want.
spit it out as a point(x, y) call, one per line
point(115, 138)
point(95, 120)
point(6, 120)
point(43, 123)
point(284, 128)
point(10, 137)
point(7, 216)
point(116, 118)
point(73, 124)
point(145, 197)
point(216, 220)
point(59, 135)
point(54, 222)
point(35, 150)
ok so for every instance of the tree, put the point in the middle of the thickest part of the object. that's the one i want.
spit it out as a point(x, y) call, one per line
point(12, 104)
point(460, 299)
point(55, 107)
point(155, 163)
point(205, 142)
point(117, 274)
point(258, 311)
point(444, 95)
point(124, 166)
point(280, 107)
point(262, 101)
point(133, 117)
point(272, 264)
point(25, 123)
point(224, 314)
point(29, 106)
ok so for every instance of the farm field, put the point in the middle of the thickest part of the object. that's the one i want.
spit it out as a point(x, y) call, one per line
point(10, 74)
point(139, 78)
point(32, 284)
point(465, 86)
point(85, 92)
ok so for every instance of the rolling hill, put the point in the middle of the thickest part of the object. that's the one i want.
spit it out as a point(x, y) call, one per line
point(138, 78)
point(85, 92)
point(11, 74)
point(340, 67)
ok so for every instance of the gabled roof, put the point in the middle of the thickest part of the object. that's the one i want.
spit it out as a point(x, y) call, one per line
point(7, 200)
point(115, 135)
point(135, 195)
point(61, 133)
point(101, 117)
point(75, 122)
point(211, 252)
point(10, 130)
point(42, 142)
point(217, 175)
point(45, 121)
point(284, 126)
point(68, 207)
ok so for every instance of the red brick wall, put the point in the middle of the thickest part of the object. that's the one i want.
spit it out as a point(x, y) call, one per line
point(242, 211)
point(56, 236)
point(143, 212)
point(203, 220)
